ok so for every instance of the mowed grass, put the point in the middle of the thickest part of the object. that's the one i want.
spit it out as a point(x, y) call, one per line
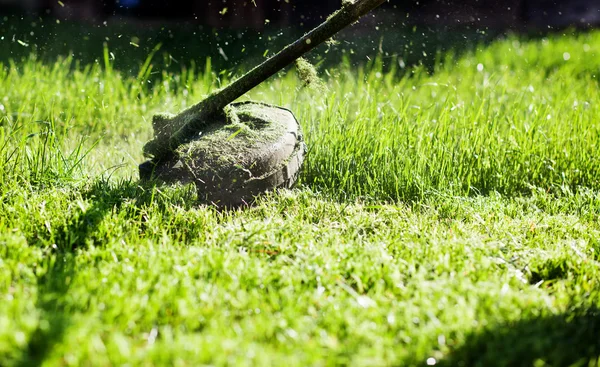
point(446, 217)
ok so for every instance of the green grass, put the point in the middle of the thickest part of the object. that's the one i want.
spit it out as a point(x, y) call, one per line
point(448, 217)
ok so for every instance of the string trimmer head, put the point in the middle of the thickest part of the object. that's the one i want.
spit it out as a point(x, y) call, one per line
point(234, 151)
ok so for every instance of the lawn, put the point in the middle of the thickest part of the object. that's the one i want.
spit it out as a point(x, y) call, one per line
point(446, 215)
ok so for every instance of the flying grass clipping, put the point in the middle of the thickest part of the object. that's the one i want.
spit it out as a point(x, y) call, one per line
point(308, 75)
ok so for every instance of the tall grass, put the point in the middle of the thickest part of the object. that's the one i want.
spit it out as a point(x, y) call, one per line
point(507, 118)
point(485, 122)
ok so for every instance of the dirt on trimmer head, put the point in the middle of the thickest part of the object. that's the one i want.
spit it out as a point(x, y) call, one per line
point(252, 148)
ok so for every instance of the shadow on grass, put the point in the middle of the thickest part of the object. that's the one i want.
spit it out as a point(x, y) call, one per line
point(567, 339)
point(55, 317)
point(53, 286)
point(53, 304)
point(107, 198)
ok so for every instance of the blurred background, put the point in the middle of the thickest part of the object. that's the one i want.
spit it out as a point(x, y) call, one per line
point(258, 14)
point(237, 34)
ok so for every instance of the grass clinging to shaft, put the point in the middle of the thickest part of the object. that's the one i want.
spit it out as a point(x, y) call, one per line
point(448, 217)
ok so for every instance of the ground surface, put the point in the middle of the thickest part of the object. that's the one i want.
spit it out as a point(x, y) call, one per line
point(442, 218)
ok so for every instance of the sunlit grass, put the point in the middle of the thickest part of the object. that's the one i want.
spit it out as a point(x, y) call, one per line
point(441, 217)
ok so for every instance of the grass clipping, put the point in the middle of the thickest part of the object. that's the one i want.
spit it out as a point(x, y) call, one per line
point(308, 75)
